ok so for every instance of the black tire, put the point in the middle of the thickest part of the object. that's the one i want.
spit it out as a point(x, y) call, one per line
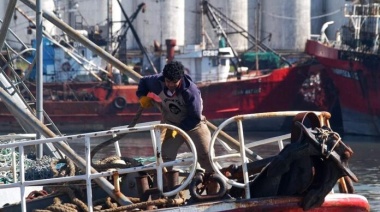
point(120, 102)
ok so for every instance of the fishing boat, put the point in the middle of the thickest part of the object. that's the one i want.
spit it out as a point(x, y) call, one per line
point(253, 181)
point(101, 105)
point(352, 62)
point(79, 97)
point(299, 175)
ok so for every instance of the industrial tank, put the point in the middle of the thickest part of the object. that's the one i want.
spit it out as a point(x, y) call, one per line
point(193, 22)
point(288, 23)
point(236, 11)
point(19, 24)
point(162, 19)
point(95, 16)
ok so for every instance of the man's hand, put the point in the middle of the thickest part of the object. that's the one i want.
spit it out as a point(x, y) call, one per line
point(174, 133)
point(170, 134)
point(146, 102)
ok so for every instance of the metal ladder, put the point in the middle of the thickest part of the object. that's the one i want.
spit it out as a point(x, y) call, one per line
point(13, 89)
point(19, 92)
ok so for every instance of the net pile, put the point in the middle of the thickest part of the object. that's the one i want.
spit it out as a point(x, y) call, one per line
point(35, 169)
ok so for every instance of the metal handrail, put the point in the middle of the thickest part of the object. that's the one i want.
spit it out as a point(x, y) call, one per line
point(243, 147)
point(155, 133)
point(14, 138)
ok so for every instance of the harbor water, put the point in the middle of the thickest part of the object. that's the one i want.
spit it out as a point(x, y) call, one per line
point(365, 162)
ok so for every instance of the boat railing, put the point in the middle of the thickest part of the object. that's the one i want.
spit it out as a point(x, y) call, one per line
point(362, 10)
point(245, 153)
point(158, 165)
point(9, 164)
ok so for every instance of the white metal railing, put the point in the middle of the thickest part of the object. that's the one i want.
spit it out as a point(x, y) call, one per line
point(363, 10)
point(14, 138)
point(245, 148)
point(158, 165)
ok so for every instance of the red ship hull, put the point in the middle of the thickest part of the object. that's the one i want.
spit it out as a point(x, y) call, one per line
point(90, 109)
point(358, 85)
point(333, 202)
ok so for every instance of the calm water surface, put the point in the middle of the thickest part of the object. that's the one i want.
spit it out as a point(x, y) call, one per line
point(365, 162)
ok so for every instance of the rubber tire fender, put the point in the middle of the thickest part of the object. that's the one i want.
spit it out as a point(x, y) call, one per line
point(120, 102)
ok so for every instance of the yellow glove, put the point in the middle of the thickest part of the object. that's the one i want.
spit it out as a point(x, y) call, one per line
point(170, 134)
point(146, 102)
point(174, 133)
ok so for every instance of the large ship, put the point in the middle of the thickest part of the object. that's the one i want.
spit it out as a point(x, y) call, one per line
point(86, 106)
point(79, 95)
point(352, 62)
point(296, 177)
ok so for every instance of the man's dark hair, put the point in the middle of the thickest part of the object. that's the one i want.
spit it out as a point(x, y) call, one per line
point(174, 71)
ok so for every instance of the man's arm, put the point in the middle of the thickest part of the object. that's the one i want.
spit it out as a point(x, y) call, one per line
point(193, 101)
point(148, 84)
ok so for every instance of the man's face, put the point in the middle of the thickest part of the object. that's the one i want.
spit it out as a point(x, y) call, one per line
point(172, 85)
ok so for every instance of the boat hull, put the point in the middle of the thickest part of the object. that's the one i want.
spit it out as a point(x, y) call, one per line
point(333, 202)
point(95, 107)
point(357, 85)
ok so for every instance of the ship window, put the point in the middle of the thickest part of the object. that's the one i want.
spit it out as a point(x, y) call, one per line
point(215, 62)
point(223, 62)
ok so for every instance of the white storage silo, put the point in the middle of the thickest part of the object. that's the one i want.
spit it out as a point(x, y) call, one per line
point(19, 24)
point(162, 19)
point(236, 11)
point(288, 22)
point(92, 15)
point(193, 22)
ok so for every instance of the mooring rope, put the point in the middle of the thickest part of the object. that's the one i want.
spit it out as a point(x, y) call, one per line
point(118, 137)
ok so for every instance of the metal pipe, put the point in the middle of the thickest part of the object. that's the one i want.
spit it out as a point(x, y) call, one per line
point(32, 121)
point(233, 142)
point(86, 42)
point(6, 21)
point(39, 73)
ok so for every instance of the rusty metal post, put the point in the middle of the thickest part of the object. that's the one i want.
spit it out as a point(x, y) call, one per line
point(171, 179)
point(144, 190)
point(116, 182)
point(142, 184)
point(170, 45)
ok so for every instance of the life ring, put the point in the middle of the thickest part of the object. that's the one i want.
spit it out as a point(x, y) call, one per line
point(120, 102)
point(66, 66)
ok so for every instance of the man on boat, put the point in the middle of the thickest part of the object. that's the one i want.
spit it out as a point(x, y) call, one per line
point(182, 106)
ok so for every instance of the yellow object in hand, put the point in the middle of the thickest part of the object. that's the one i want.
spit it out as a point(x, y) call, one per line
point(174, 133)
point(146, 102)
point(170, 134)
